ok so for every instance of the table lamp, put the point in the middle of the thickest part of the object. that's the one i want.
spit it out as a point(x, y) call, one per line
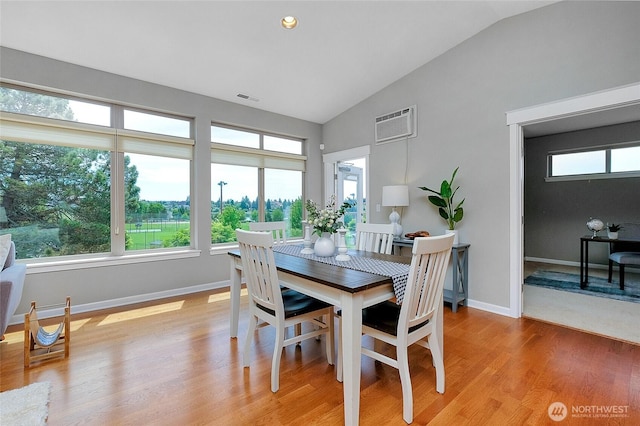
point(395, 196)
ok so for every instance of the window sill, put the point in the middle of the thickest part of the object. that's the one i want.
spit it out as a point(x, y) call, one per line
point(37, 267)
point(224, 248)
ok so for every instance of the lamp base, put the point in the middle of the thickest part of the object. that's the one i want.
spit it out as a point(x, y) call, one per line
point(394, 218)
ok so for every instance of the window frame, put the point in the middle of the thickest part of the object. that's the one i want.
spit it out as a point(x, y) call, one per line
point(607, 174)
point(115, 139)
point(239, 155)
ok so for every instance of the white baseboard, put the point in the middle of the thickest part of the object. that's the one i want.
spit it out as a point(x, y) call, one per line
point(488, 307)
point(564, 262)
point(114, 303)
point(123, 301)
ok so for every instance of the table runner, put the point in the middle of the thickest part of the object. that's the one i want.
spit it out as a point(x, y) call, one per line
point(398, 272)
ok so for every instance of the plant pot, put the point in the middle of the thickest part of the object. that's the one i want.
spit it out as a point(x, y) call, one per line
point(612, 235)
point(454, 232)
point(324, 246)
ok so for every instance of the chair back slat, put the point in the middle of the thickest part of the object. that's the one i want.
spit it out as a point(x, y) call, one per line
point(425, 283)
point(374, 237)
point(277, 229)
point(259, 268)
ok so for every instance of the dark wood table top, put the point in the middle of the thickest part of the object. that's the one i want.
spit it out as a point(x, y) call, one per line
point(621, 239)
point(338, 277)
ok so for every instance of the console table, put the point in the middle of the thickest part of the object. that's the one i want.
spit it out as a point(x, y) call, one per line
point(459, 292)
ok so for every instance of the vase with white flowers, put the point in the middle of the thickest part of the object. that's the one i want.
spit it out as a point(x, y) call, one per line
point(325, 223)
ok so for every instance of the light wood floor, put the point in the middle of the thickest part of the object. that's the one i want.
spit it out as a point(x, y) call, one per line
point(172, 363)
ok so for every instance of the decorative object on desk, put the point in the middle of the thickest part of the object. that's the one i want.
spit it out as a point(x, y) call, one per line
point(307, 238)
point(395, 196)
point(342, 246)
point(450, 211)
point(412, 235)
point(324, 246)
point(612, 231)
point(327, 219)
point(595, 225)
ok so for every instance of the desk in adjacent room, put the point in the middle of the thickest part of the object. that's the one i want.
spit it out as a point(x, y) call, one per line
point(584, 253)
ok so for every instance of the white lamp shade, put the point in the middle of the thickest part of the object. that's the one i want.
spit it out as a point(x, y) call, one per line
point(395, 195)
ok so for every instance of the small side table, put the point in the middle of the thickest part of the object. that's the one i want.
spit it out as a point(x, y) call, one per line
point(459, 293)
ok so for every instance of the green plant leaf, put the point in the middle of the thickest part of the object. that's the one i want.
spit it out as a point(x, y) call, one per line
point(443, 213)
point(437, 201)
point(424, 188)
point(454, 175)
point(457, 216)
point(445, 190)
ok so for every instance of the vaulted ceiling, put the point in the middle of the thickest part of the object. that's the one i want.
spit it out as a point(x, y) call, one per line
point(341, 52)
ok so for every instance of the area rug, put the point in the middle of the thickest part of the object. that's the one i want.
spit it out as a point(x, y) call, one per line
point(596, 287)
point(25, 406)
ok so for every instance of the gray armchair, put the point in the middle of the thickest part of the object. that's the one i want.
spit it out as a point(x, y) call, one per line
point(625, 252)
point(11, 284)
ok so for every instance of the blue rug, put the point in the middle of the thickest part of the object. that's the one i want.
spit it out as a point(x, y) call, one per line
point(597, 286)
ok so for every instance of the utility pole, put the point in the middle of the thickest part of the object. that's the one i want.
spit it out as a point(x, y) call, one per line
point(221, 183)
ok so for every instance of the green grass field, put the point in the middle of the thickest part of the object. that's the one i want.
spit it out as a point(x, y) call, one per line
point(152, 234)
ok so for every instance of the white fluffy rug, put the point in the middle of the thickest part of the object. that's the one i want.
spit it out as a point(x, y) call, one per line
point(25, 406)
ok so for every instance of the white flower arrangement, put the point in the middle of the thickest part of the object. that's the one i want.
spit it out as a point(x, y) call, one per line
point(327, 219)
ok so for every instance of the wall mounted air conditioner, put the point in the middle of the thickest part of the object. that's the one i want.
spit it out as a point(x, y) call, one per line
point(396, 125)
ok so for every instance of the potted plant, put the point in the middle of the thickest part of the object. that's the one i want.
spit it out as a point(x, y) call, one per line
point(449, 210)
point(612, 231)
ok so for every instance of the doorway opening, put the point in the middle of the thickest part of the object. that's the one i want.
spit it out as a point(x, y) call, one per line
point(607, 107)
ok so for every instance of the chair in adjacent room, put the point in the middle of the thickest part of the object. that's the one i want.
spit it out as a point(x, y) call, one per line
point(277, 229)
point(375, 237)
point(625, 252)
point(273, 303)
point(415, 319)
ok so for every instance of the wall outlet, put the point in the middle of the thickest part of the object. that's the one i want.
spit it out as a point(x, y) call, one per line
point(378, 208)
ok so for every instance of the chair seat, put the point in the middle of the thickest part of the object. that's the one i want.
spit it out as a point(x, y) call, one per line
point(384, 317)
point(296, 303)
point(626, 257)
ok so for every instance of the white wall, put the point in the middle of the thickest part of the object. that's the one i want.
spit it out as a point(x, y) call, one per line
point(559, 51)
point(105, 286)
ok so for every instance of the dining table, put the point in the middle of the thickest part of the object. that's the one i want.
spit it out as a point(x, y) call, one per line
point(339, 284)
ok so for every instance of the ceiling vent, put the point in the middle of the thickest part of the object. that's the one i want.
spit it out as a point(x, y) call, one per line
point(397, 124)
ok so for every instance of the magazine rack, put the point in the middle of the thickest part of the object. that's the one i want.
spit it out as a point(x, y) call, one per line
point(40, 344)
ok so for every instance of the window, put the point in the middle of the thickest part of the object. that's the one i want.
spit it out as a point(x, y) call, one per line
point(255, 177)
point(73, 184)
point(607, 162)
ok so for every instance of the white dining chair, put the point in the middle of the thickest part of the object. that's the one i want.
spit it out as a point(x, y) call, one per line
point(273, 303)
point(278, 230)
point(413, 320)
point(374, 237)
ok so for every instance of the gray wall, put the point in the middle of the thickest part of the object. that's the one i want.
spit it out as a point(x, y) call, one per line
point(556, 212)
point(558, 51)
point(103, 286)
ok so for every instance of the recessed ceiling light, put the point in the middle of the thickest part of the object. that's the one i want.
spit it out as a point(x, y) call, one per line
point(289, 22)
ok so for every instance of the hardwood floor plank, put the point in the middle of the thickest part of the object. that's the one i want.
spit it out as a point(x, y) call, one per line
point(172, 362)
